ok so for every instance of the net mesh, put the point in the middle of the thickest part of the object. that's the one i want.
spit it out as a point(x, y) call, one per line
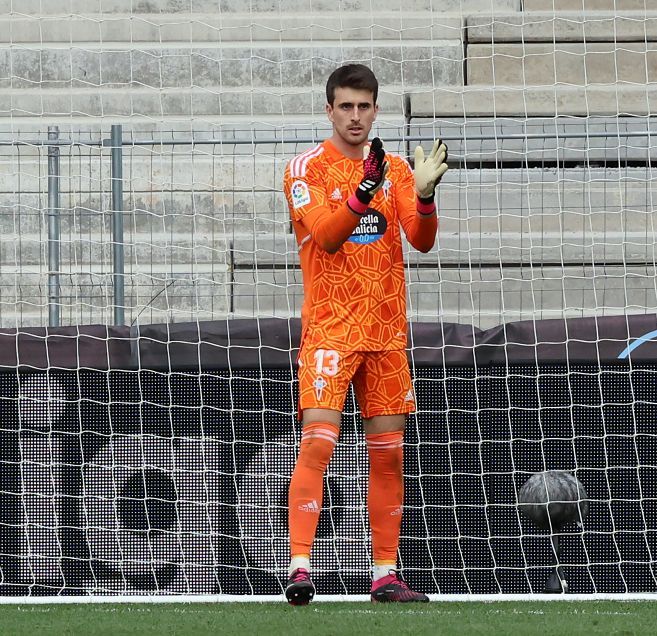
point(167, 481)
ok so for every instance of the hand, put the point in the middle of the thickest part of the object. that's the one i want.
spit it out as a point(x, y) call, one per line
point(428, 172)
point(375, 168)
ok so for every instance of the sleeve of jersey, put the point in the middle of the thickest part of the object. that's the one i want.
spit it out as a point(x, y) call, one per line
point(419, 220)
point(306, 197)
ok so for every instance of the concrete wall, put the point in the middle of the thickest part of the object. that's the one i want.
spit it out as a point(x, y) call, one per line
point(537, 105)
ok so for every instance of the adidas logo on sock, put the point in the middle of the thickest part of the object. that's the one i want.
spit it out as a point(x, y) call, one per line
point(309, 507)
point(396, 512)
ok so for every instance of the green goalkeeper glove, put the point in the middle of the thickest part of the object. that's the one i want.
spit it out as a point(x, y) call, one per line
point(428, 172)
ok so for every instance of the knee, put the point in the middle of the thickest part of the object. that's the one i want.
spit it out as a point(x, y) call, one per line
point(316, 453)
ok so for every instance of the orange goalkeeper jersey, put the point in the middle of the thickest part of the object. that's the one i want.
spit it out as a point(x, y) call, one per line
point(354, 299)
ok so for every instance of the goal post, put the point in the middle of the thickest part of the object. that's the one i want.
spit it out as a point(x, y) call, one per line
point(150, 295)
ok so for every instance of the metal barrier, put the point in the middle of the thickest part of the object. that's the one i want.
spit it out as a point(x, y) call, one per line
point(475, 147)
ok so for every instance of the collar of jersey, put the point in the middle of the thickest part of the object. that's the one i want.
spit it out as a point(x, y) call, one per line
point(333, 153)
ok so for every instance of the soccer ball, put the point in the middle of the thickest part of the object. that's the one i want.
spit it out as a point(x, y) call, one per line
point(553, 498)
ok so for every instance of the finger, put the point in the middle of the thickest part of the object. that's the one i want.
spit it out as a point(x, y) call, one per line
point(441, 157)
point(380, 151)
point(384, 172)
point(436, 146)
point(419, 155)
point(439, 148)
point(377, 145)
point(441, 171)
point(366, 152)
point(438, 159)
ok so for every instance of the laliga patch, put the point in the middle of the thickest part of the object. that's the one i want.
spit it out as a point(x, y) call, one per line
point(371, 228)
point(300, 194)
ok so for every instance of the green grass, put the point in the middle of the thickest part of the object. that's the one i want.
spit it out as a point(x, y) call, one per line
point(558, 618)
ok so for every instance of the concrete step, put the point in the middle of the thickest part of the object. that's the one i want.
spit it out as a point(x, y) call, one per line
point(484, 297)
point(509, 240)
point(574, 215)
point(581, 64)
point(142, 252)
point(563, 26)
point(586, 5)
point(155, 124)
point(260, 65)
point(539, 142)
point(171, 207)
point(223, 27)
point(255, 7)
point(175, 215)
point(489, 296)
point(87, 297)
point(544, 100)
point(146, 111)
point(225, 182)
point(283, 103)
point(457, 246)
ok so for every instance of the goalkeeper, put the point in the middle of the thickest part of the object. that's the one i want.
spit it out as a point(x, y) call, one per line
point(349, 202)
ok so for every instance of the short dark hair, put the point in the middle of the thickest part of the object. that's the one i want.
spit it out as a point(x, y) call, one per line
point(351, 76)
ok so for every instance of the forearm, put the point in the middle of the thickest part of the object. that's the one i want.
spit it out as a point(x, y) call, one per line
point(330, 231)
point(423, 227)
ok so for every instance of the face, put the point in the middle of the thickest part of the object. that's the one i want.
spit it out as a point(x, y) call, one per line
point(353, 112)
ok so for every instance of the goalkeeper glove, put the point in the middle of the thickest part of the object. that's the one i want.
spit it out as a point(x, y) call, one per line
point(375, 168)
point(428, 172)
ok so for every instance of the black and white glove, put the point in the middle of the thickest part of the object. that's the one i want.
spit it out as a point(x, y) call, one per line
point(375, 168)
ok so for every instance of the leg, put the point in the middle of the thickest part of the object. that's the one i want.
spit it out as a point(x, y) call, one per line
point(385, 394)
point(384, 437)
point(321, 428)
point(323, 381)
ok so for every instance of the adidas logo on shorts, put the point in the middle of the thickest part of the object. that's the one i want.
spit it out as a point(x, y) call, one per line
point(409, 396)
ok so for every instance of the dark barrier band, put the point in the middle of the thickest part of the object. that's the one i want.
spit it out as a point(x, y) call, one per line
point(272, 343)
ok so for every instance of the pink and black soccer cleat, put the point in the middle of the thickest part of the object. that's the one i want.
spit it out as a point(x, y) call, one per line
point(391, 589)
point(299, 589)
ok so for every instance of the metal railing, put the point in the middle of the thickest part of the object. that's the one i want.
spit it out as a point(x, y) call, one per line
point(115, 145)
point(478, 149)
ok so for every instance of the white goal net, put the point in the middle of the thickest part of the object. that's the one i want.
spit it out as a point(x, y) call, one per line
point(150, 292)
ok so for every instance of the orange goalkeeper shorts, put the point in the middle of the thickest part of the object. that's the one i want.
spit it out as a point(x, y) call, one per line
point(381, 380)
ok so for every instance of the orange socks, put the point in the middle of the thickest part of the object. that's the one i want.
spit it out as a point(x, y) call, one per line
point(386, 494)
point(307, 485)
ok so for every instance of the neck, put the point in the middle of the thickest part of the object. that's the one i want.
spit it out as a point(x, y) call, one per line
point(348, 150)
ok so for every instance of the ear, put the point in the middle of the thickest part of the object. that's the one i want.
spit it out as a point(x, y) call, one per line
point(376, 111)
point(329, 112)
